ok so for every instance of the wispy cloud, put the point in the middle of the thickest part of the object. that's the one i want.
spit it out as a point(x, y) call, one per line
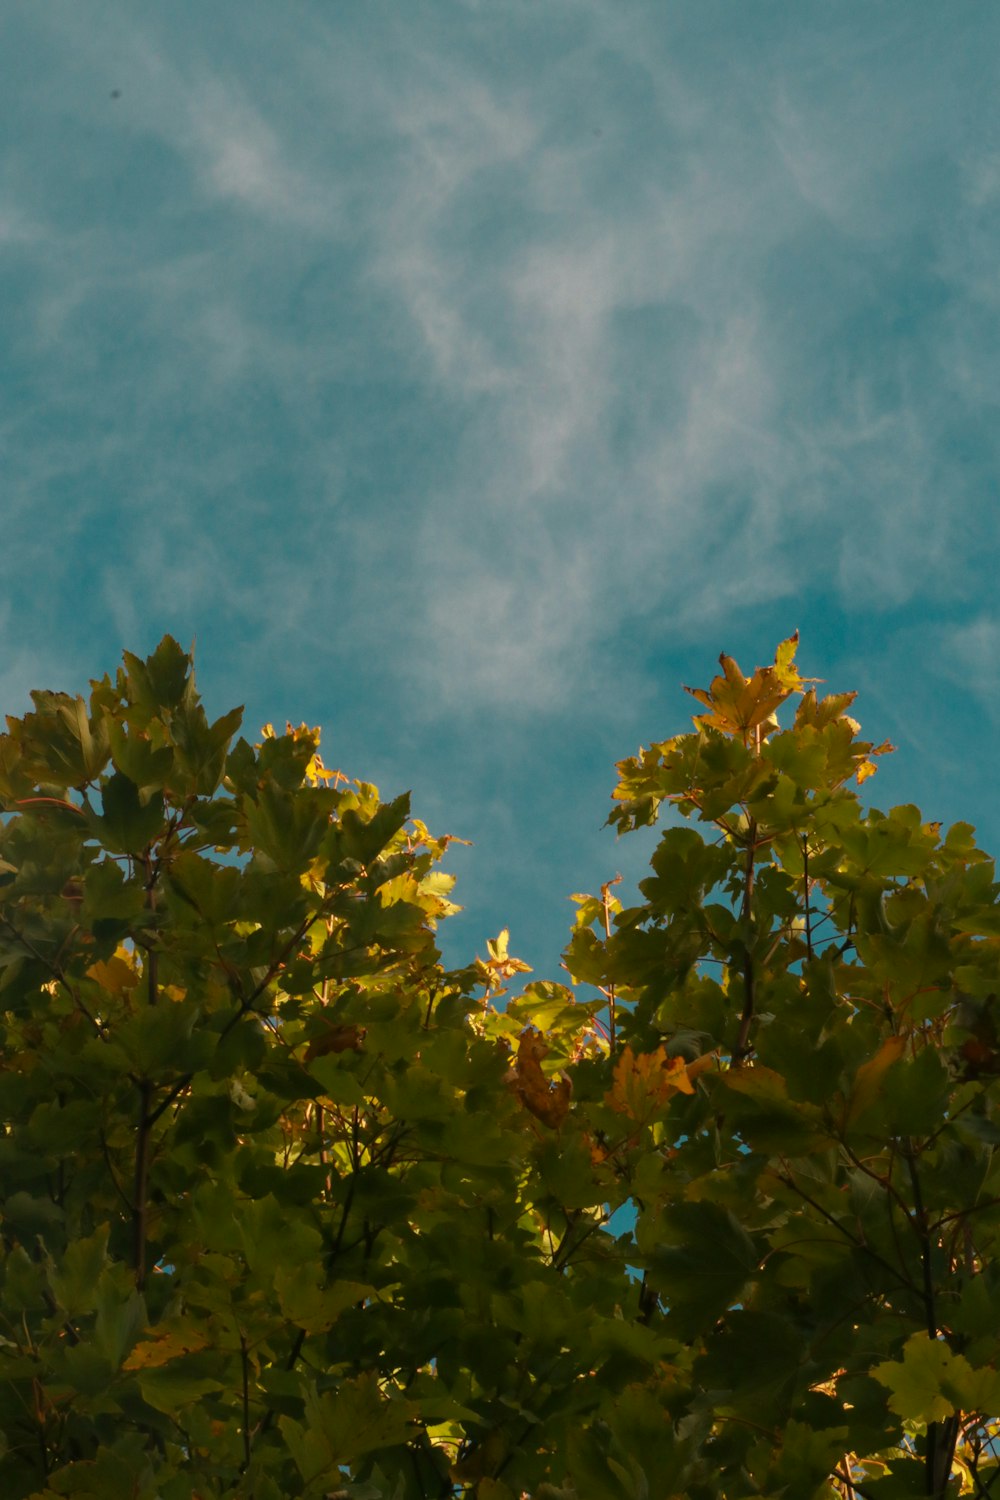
point(492, 352)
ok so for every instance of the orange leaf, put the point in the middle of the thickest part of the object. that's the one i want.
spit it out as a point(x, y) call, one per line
point(868, 1078)
point(867, 766)
point(547, 1101)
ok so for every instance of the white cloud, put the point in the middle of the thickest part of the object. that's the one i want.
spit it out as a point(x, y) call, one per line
point(240, 156)
point(969, 656)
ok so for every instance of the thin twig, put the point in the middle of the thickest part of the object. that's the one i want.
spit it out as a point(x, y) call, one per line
point(246, 1403)
point(114, 1175)
point(859, 1244)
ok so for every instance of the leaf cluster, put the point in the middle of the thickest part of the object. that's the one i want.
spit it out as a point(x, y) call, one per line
point(287, 1208)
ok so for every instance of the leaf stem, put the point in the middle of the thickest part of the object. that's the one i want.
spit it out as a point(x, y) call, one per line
point(805, 896)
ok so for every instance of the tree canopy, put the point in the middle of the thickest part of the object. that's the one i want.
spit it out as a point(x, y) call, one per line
point(289, 1208)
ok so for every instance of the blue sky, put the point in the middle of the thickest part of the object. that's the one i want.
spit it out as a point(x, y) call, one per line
point(466, 374)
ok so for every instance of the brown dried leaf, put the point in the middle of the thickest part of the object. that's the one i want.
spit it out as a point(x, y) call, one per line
point(547, 1100)
point(344, 1037)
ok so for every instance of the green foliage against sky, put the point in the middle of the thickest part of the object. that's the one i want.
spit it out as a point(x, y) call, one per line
point(288, 1209)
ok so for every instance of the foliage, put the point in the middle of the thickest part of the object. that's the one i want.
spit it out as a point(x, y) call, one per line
point(290, 1209)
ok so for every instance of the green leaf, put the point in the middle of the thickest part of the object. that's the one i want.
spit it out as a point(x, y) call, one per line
point(931, 1382)
point(757, 1104)
point(201, 748)
point(164, 681)
point(127, 824)
point(752, 1363)
point(211, 890)
point(76, 1280)
point(178, 1385)
point(338, 1081)
point(806, 1458)
point(136, 757)
point(289, 826)
point(362, 1255)
point(58, 745)
point(341, 1426)
point(917, 1382)
point(121, 1314)
point(312, 1307)
point(915, 1093)
point(364, 839)
point(704, 1274)
point(105, 1477)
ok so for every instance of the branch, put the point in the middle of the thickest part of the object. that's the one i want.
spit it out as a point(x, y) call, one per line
point(246, 1403)
point(885, 1183)
point(742, 1048)
point(648, 1302)
point(165, 1103)
point(152, 961)
point(140, 1189)
point(941, 1436)
point(113, 1174)
point(555, 1256)
point(841, 1228)
point(930, 1308)
point(852, 1484)
point(561, 1258)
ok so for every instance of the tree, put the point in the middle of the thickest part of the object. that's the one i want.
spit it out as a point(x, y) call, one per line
point(290, 1209)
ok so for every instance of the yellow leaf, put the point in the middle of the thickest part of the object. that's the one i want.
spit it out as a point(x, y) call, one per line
point(733, 674)
point(500, 965)
point(783, 659)
point(167, 1344)
point(644, 1083)
point(738, 705)
point(867, 766)
point(702, 1064)
point(114, 974)
point(498, 946)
